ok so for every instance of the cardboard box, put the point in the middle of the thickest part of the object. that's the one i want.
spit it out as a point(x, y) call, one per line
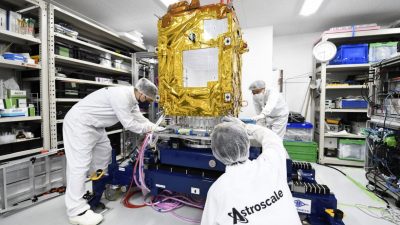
point(31, 111)
point(16, 94)
point(14, 112)
point(9, 103)
point(21, 103)
point(3, 19)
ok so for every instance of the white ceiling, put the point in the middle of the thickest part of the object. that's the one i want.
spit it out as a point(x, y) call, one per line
point(127, 15)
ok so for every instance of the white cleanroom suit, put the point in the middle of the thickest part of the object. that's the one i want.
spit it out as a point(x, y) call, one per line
point(272, 111)
point(85, 140)
point(253, 192)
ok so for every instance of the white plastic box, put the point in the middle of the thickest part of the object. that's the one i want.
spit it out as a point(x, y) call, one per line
point(3, 19)
point(352, 149)
point(299, 132)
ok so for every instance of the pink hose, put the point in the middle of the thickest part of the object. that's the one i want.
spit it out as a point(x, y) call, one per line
point(166, 201)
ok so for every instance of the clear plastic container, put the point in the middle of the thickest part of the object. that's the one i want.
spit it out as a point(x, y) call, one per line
point(6, 138)
point(381, 51)
point(117, 64)
point(299, 132)
point(351, 149)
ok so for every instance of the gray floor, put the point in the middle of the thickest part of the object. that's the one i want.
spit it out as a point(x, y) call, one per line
point(52, 212)
point(348, 194)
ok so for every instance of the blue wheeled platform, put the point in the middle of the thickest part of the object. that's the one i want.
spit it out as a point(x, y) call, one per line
point(195, 158)
point(192, 171)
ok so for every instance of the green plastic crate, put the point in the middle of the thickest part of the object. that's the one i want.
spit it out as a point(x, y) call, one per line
point(302, 151)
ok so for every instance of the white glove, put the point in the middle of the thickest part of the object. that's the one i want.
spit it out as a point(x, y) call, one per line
point(258, 117)
point(153, 128)
point(233, 120)
point(159, 129)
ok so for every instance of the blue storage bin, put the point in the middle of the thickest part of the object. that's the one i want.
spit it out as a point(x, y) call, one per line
point(351, 54)
point(353, 104)
point(14, 56)
point(305, 125)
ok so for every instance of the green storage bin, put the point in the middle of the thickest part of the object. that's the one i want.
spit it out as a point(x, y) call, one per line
point(302, 151)
point(64, 51)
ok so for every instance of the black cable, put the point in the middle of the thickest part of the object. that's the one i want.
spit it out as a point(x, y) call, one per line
point(375, 191)
point(334, 169)
point(366, 175)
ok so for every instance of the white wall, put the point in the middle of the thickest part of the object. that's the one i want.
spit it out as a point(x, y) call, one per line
point(257, 63)
point(293, 54)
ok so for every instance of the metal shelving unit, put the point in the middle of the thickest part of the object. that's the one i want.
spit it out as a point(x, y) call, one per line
point(324, 71)
point(18, 65)
point(80, 81)
point(21, 153)
point(145, 65)
point(102, 41)
point(26, 170)
point(346, 110)
point(355, 136)
point(10, 36)
point(344, 87)
point(390, 122)
point(19, 119)
point(89, 28)
point(344, 67)
point(382, 158)
point(68, 99)
point(76, 63)
point(39, 11)
point(29, 180)
point(100, 49)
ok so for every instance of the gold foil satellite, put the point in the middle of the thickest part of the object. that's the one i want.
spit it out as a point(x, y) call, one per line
point(199, 54)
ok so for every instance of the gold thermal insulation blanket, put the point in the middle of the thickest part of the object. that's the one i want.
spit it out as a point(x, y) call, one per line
point(199, 54)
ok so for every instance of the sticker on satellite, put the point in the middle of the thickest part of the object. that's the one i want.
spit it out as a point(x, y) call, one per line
point(160, 186)
point(302, 205)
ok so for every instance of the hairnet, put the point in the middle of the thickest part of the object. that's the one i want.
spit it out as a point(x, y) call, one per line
point(147, 88)
point(230, 143)
point(258, 84)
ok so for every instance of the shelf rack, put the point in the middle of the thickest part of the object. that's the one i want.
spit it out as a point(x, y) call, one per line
point(382, 72)
point(343, 87)
point(62, 60)
point(11, 167)
point(101, 41)
point(18, 66)
point(10, 36)
point(80, 81)
point(323, 70)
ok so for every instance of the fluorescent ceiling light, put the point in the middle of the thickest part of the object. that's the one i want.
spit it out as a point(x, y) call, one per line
point(310, 7)
point(168, 2)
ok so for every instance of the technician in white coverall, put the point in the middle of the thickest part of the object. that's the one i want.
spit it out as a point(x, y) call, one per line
point(87, 145)
point(272, 110)
point(249, 192)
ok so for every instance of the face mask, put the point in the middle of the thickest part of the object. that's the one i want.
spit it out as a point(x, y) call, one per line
point(144, 105)
point(143, 102)
point(258, 97)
